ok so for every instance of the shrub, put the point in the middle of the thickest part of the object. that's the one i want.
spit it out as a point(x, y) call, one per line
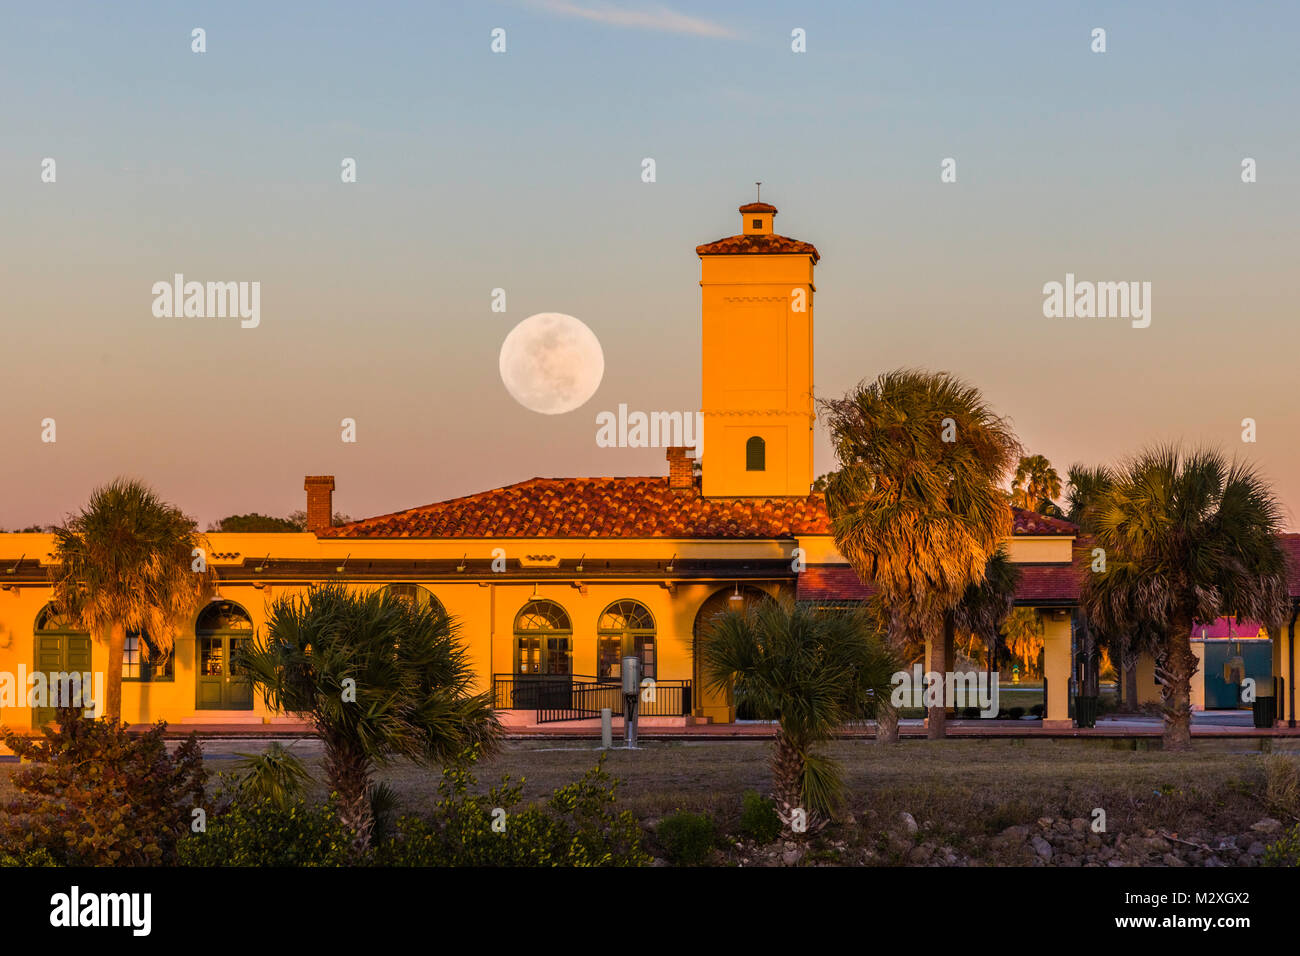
point(1286, 851)
point(263, 833)
point(686, 837)
point(758, 818)
point(575, 827)
point(92, 795)
point(37, 857)
point(1015, 713)
point(1036, 710)
point(275, 775)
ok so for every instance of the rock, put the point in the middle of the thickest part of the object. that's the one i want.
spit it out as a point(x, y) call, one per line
point(1115, 863)
point(920, 854)
point(1173, 860)
point(1158, 844)
point(1267, 825)
point(1045, 822)
point(909, 822)
point(1012, 836)
point(1257, 849)
point(1078, 824)
point(1094, 839)
point(1042, 848)
point(791, 857)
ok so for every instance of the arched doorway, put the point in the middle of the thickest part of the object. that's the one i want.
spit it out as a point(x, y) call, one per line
point(59, 648)
point(222, 629)
point(711, 703)
point(543, 658)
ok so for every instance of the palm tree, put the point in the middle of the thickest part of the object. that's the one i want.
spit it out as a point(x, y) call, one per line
point(1188, 536)
point(379, 677)
point(1036, 486)
point(1022, 633)
point(986, 605)
point(916, 506)
point(813, 670)
point(129, 562)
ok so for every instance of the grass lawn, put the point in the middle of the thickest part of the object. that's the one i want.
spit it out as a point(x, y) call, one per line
point(966, 786)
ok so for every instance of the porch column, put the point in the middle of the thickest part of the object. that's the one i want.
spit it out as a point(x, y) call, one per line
point(1057, 667)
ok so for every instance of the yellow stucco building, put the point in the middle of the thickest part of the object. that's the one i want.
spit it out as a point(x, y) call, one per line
point(553, 580)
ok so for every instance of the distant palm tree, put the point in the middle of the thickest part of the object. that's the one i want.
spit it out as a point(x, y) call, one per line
point(917, 506)
point(1188, 536)
point(129, 562)
point(379, 677)
point(1022, 632)
point(811, 669)
point(1036, 486)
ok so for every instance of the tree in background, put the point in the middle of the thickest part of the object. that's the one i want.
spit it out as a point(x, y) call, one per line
point(1036, 486)
point(130, 562)
point(1187, 536)
point(917, 506)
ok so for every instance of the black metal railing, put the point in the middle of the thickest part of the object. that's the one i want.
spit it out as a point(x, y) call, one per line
point(558, 697)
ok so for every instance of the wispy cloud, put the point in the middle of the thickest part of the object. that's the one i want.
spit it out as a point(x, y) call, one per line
point(655, 17)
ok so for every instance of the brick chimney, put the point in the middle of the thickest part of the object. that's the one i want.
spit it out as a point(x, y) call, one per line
point(320, 501)
point(681, 469)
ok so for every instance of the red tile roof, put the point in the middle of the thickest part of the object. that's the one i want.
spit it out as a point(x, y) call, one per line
point(758, 207)
point(618, 508)
point(839, 582)
point(758, 244)
point(1291, 546)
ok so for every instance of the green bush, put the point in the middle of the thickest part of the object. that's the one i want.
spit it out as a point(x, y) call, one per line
point(37, 857)
point(275, 774)
point(575, 827)
point(93, 795)
point(264, 833)
point(758, 818)
point(686, 837)
point(1286, 851)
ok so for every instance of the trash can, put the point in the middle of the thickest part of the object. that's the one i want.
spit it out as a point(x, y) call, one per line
point(1265, 712)
point(1085, 710)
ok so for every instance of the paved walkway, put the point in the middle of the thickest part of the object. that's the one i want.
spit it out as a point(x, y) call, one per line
point(1205, 724)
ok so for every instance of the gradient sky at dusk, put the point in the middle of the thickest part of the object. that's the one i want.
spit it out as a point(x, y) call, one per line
point(522, 171)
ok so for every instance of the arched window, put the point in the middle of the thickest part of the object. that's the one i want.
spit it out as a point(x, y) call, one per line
point(420, 596)
point(222, 630)
point(625, 629)
point(53, 620)
point(756, 454)
point(543, 640)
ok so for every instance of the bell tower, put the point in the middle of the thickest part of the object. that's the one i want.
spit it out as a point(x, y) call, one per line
point(757, 313)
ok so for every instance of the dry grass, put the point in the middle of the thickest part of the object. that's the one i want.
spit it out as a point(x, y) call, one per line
point(960, 788)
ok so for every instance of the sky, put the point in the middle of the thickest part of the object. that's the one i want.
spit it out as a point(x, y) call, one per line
point(522, 171)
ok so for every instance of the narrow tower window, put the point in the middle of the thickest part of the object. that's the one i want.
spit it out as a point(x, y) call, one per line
point(756, 454)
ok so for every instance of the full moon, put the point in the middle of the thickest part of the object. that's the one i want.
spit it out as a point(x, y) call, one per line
point(551, 363)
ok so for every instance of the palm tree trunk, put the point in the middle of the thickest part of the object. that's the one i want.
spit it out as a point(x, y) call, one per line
point(787, 778)
point(1131, 681)
point(347, 772)
point(886, 722)
point(116, 647)
point(1181, 664)
point(938, 632)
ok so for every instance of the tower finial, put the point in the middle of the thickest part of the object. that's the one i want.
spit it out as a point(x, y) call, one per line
point(758, 195)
